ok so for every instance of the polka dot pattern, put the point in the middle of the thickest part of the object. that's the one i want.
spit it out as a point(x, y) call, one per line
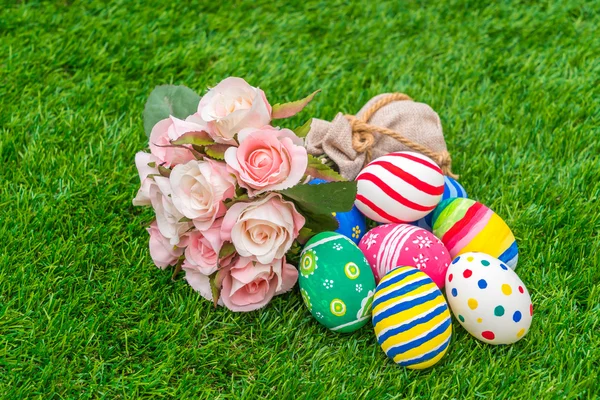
point(472, 304)
point(489, 335)
point(517, 316)
point(488, 298)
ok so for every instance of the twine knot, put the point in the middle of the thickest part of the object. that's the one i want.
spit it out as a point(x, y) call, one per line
point(363, 135)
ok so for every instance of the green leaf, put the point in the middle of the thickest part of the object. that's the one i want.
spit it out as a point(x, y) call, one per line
point(236, 199)
point(166, 100)
point(316, 169)
point(287, 110)
point(166, 172)
point(305, 235)
point(195, 139)
point(318, 222)
point(324, 198)
point(293, 254)
point(303, 130)
point(226, 250)
point(199, 149)
point(240, 191)
point(177, 269)
point(216, 151)
point(317, 202)
point(185, 219)
point(215, 291)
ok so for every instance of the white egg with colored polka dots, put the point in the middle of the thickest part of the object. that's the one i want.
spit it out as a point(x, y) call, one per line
point(488, 298)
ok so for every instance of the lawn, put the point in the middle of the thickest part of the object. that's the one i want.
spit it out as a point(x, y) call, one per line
point(83, 311)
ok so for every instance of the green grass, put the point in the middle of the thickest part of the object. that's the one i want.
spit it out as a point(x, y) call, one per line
point(83, 312)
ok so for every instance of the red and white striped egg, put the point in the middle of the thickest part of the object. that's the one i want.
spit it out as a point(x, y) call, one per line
point(399, 187)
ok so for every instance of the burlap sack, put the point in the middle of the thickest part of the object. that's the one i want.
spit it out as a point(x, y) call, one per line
point(387, 123)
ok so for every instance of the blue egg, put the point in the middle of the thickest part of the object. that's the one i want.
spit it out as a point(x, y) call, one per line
point(452, 189)
point(353, 224)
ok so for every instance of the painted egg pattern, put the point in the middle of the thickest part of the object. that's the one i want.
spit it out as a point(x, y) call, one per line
point(336, 282)
point(399, 187)
point(411, 318)
point(489, 300)
point(396, 245)
point(452, 189)
point(465, 225)
point(352, 223)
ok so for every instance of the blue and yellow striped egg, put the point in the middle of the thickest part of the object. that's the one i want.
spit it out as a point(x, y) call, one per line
point(411, 318)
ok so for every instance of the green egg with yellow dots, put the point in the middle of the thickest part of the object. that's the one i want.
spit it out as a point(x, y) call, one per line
point(336, 282)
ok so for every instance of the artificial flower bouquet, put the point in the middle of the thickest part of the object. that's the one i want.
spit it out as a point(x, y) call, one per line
point(229, 191)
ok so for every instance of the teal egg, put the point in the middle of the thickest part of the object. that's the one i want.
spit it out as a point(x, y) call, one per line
point(336, 282)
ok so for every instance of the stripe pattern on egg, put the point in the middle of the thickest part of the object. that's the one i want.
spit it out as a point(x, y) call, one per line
point(399, 187)
point(389, 246)
point(452, 189)
point(465, 225)
point(411, 318)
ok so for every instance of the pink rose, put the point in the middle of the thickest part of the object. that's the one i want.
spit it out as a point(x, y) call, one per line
point(263, 229)
point(168, 218)
point(141, 162)
point(248, 285)
point(202, 251)
point(199, 188)
point(200, 283)
point(233, 105)
point(267, 159)
point(171, 129)
point(163, 253)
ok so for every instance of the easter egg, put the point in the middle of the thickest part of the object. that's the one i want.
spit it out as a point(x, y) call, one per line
point(411, 318)
point(452, 189)
point(464, 225)
point(489, 300)
point(352, 224)
point(399, 187)
point(396, 245)
point(336, 282)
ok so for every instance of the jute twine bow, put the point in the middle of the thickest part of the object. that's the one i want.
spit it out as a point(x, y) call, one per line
point(363, 138)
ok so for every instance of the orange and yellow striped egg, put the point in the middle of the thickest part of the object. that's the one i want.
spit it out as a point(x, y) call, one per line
point(465, 225)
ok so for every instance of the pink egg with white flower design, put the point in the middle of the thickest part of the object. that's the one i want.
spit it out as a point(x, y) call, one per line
point(387, 247)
